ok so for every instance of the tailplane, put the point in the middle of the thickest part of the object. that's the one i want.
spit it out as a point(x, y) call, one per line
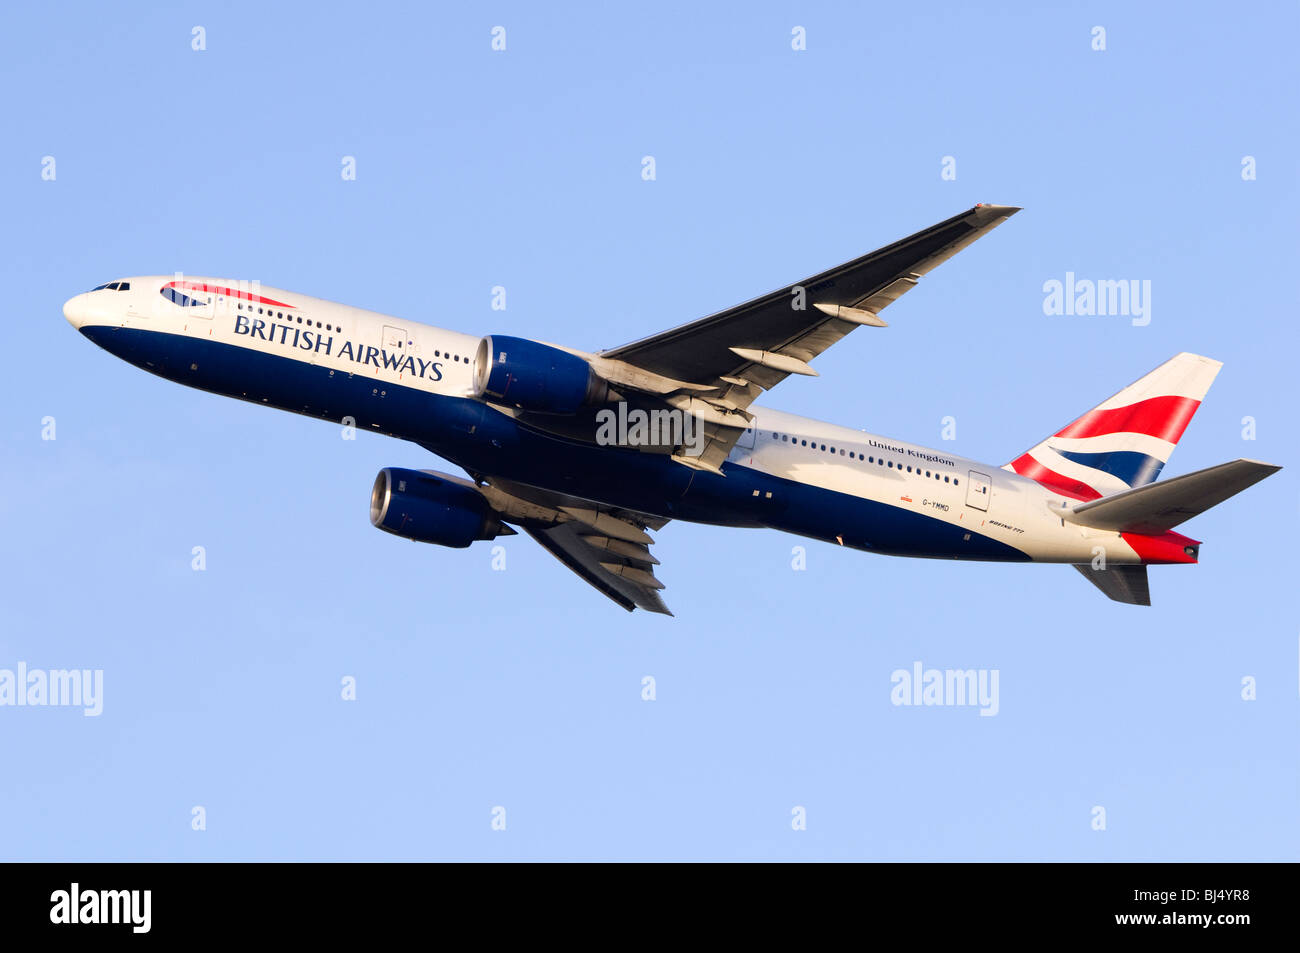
point(1144, 516)
point(1123, 442)
point(1152, 510)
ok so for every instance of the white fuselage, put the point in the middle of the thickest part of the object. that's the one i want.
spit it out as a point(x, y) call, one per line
point(389, 354)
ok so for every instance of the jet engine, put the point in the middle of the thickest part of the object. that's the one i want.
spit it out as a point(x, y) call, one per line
point(535, 377)
point(432, 507)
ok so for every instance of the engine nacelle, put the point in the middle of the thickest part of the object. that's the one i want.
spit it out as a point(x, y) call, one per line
point(535, 377)
point(432, 508)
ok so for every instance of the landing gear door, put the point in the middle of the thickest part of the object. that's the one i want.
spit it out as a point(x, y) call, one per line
point(978, 489)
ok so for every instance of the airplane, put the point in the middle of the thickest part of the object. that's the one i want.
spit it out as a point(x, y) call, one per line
point(559, 442)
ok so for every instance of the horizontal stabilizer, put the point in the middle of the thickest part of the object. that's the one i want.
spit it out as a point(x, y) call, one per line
point(1121, 583)
point(1158, 507)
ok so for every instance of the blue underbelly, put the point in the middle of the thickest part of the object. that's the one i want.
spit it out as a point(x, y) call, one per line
point(485, 441)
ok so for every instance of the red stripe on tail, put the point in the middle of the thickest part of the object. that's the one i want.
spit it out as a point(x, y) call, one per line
point(1162, 417)
point(1027, 466)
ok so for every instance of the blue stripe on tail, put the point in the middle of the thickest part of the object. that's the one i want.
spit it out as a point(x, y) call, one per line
point(1135, 469)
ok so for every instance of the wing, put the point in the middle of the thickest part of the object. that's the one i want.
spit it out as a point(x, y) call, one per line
point(732, 356)
point(606, 546)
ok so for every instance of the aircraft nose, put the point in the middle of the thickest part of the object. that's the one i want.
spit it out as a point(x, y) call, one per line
point(76, 311)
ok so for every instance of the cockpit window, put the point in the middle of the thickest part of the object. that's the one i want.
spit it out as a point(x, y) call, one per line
point(113, 286)
point(124, 286)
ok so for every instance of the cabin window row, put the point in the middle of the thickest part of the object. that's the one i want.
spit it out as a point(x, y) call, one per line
point(865, 458)
point(279, 315)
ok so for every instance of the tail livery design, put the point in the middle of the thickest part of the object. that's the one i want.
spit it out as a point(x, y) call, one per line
point(1123, 442)
point(1107, 460)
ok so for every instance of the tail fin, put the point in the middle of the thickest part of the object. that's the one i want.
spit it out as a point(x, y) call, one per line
point(1124, 441)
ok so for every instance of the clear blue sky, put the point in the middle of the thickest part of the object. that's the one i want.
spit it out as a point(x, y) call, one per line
point(522, 688)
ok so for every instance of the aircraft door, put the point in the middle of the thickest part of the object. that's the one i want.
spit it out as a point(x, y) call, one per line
point(978, 490)
point(220, 306)
point(138, 304)
point(394, 340)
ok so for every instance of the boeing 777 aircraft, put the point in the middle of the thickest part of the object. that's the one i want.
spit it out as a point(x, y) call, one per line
point(586, 452)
